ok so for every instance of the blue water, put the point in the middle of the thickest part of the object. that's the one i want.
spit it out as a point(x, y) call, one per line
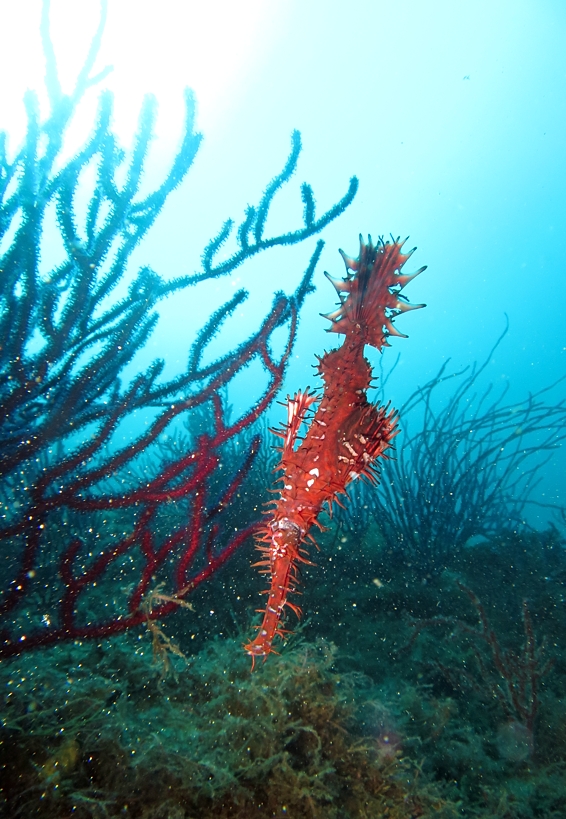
point(453, 118)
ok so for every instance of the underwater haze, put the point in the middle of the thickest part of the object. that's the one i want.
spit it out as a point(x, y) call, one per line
point(427, 676)
point(451, 115)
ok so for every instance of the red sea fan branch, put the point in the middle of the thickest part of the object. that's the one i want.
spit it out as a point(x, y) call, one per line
point(97, 506)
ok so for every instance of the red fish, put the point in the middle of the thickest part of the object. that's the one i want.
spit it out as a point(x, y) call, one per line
point(346, 436)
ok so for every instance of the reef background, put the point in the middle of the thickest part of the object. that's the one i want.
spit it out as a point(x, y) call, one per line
point(387, 700)
point(362, 715)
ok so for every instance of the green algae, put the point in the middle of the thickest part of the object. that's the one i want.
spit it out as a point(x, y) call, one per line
point(115, 739)
point(362, 715)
